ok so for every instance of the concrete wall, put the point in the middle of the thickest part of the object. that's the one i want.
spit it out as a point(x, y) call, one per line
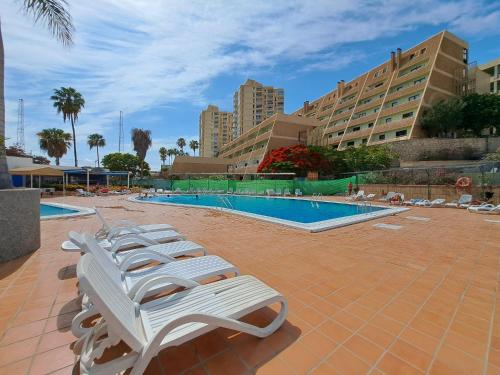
point(19, 222)
point(413, 149)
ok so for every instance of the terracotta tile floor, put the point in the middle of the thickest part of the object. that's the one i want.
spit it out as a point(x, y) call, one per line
point(417, 300)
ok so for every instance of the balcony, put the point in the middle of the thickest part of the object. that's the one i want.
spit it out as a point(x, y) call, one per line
point(406, 91)
point(415, 60)
point(369, 105)
point(362, 120)
point(341, 116)
point(364, 133)
point(400, 108)
point(394, 125)
point(407, 77)
point(347, 103)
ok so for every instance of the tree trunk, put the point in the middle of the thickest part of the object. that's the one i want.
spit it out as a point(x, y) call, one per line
point(5, 180)
point(57, 160)
point(74, 139)
point(98, 163)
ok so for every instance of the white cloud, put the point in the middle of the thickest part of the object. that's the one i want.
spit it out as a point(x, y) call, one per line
point(133, 55)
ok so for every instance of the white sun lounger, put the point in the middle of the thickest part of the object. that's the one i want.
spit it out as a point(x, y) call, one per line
point(165, 322)
point(388, 196)
point(130, 240)
point(140, 256)
point(463, 202)
point(126, 227)
point(485, 208)
point(355, 197)
point(435, 203)
point(197, 269)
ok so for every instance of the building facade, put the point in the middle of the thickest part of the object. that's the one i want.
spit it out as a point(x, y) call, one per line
point(386, 103)
point(215, 130)
point(247, 151)
point(253, 103)
point(493, 70)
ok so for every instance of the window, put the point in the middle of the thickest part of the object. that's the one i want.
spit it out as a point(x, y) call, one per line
point(423, 50)
point(388, 120)
point(381, 95)
point(413, 97)
point(401, 133)
point(350, 144)
point(378, 84)
point(417, 81)
point(394, 104)
point(399, 88)
point(330, 135)
point(370, 125)
point(412, 56)
point(364, 141)
point(407, 114)
point(357, 128)
point(381, 137)
point(375, 110)
point(362, 114)
point(335, 147)
point(339, 134)
point(415, 68)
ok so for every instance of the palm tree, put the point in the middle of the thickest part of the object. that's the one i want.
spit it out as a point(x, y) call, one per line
point(163, 155)
point(55, 142)
point(69, 102)
point(142, 142)
point(55, 16)
point(181, 142)
point(96, 140)
point(193, 145)
point(171, 152)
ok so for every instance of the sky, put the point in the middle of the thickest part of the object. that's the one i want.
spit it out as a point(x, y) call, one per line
point(161, 62)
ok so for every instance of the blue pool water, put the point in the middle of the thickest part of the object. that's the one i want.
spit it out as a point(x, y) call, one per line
point(46, 210)
point(301, 211)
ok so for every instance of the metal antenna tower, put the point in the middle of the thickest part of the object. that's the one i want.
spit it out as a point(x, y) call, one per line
point(20, 124)
point(120, 133)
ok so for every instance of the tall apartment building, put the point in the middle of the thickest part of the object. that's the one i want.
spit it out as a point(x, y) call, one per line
point(215, 129)
point(493, 70)
point(386, 103)
point(253, 103)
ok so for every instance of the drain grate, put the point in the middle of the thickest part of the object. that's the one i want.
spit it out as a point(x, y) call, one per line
point(418, 218)
point(388, 226)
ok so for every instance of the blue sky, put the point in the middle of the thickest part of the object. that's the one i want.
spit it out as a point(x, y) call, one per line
point(162, 62)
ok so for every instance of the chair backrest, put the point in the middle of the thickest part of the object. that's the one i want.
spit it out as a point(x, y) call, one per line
point(105, 259)
point(465, 198)
point(361, 193)
point(103, 220)
point(110, 300)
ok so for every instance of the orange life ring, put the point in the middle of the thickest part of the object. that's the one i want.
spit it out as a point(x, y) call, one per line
point(463, 182)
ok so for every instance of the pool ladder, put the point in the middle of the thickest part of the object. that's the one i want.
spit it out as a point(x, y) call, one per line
point(363, 207)
point(224, 201)
point(314, 202)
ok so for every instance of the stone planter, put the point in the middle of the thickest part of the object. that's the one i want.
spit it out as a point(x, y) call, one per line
point(19, 222)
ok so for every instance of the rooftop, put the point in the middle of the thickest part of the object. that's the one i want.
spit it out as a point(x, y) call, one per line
point(421, 299)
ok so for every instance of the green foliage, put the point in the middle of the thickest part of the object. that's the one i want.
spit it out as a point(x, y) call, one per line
point(124, 162)
point(55, 142)
point(163, 155)
point(493, 156)
point(142, 142)
point(464, 117)
point(181, 142)
point(194, 145)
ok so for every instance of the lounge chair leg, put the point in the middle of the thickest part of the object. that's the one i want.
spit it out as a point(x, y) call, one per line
point(76, 325)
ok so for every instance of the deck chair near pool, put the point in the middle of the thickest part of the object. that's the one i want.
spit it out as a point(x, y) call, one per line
point(413, 202)
point(298, 193)
point(427, 203)
point(137, 257)
point(131, 240)
point(169, 321)
point(356, 197)
point(388, 196)
point(485, 208)
point(370, 197)
point(270, 192)
point(83, 193)
point(126, 227)
point(463, 202)
point(286, 192)
point(191, 269)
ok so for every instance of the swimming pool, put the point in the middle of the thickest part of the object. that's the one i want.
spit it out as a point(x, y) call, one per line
point(59, 210)
point(306, 214)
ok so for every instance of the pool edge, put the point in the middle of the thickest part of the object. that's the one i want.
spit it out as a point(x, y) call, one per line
point(82, 211)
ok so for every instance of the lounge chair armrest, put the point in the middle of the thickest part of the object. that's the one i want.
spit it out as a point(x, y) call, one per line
point(144, 254)
point(115, 231)
point(223, 322)
point(138, 238)
point(139, 290)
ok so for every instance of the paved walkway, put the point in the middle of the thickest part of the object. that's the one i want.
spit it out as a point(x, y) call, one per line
point(363, 299)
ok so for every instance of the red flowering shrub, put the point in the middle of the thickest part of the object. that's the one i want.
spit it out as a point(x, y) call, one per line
point(298, 159)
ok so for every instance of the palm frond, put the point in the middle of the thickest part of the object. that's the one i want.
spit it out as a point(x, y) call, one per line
point(54, 14)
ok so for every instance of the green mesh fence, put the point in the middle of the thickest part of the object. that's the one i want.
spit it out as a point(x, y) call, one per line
point(325, 187)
